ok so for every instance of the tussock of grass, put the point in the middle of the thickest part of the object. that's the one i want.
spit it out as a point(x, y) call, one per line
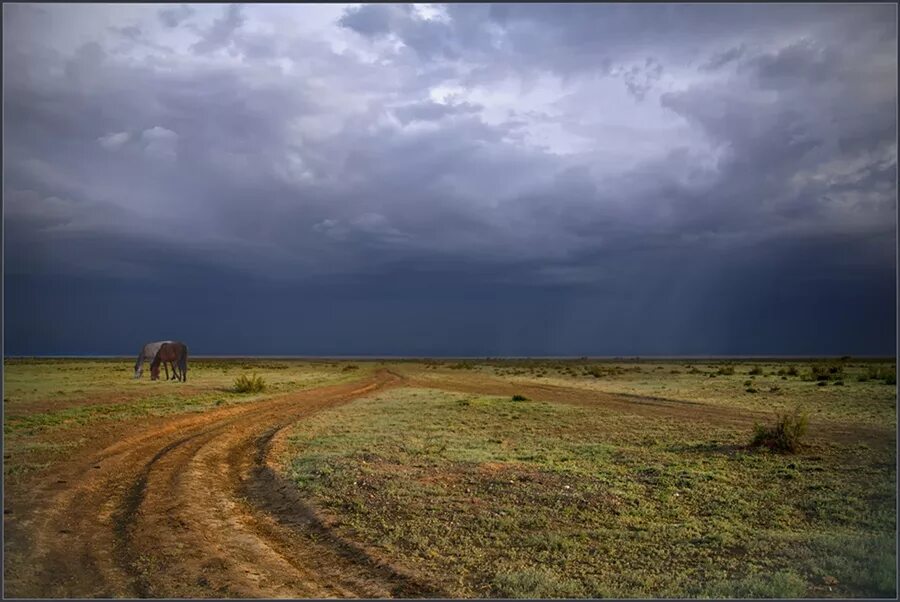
point(249, 384)
point(784, 436)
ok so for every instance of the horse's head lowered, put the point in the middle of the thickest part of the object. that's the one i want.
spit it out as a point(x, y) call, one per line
point(154, 372)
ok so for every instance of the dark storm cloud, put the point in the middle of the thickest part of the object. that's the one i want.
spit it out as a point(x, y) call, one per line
point(611, 154)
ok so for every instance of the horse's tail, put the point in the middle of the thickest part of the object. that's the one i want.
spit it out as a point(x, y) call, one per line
point(183, 364)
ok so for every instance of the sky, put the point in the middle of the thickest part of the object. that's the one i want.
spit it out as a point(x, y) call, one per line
point(462, 179)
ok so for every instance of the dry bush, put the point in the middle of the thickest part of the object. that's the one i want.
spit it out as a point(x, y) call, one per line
point(784, 436)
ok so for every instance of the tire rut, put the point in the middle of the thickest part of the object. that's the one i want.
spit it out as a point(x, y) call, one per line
point(193, 507)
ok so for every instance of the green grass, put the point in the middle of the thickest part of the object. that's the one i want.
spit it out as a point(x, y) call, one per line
point(153, 405)
point(48, 403)
point(870, 402)
point(31, 381)
point(532, 499)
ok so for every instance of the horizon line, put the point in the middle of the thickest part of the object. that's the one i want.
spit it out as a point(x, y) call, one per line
point(375, 357)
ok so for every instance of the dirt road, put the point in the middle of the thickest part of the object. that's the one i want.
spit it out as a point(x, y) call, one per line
point(190, 507)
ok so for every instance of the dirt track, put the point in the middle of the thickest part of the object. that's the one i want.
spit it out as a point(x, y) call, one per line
point(191, 506)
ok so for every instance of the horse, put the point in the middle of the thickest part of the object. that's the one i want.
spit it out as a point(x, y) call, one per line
point(174, 352)
point(148, 352)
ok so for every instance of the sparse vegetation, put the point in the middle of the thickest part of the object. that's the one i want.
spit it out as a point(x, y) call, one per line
point(542, 498)
point(463, 365)
point(578, 501)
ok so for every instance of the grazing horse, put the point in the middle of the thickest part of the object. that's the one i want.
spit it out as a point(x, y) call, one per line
point(174, 352)
point(148, 352)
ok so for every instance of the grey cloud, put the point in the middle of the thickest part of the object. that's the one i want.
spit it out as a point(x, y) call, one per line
point(114, 140)
point(804, 61)
point(375, 19)
point(432, 111)
point(131, 32)
point(639, 79)
point(175, 15)
point(220, 33)
point(286, 167)
point(719, 60)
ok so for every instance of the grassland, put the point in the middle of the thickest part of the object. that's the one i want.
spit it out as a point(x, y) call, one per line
point(535, 478)
point(51, 407)
point(494, 497)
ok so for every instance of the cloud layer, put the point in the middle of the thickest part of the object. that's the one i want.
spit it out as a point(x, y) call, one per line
point(589, 148)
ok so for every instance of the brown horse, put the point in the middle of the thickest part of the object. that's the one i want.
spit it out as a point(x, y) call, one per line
point(174, 352)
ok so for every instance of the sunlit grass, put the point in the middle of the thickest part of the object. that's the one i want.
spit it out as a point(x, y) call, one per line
point(494, 497)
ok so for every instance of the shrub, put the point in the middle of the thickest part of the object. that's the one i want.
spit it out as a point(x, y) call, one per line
point(518, 397)
point(784, 436)
point(726, 370)
point(792, 371)
point(350, 367)
point(755, 370)
point(750, 390)
point(594, 371)
point(824, 372)
point(888, 375)
point(249, 384)
point(838, 383)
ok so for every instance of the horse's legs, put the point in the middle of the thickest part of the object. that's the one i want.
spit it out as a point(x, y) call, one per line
point(175, 373)
point(166, 366)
